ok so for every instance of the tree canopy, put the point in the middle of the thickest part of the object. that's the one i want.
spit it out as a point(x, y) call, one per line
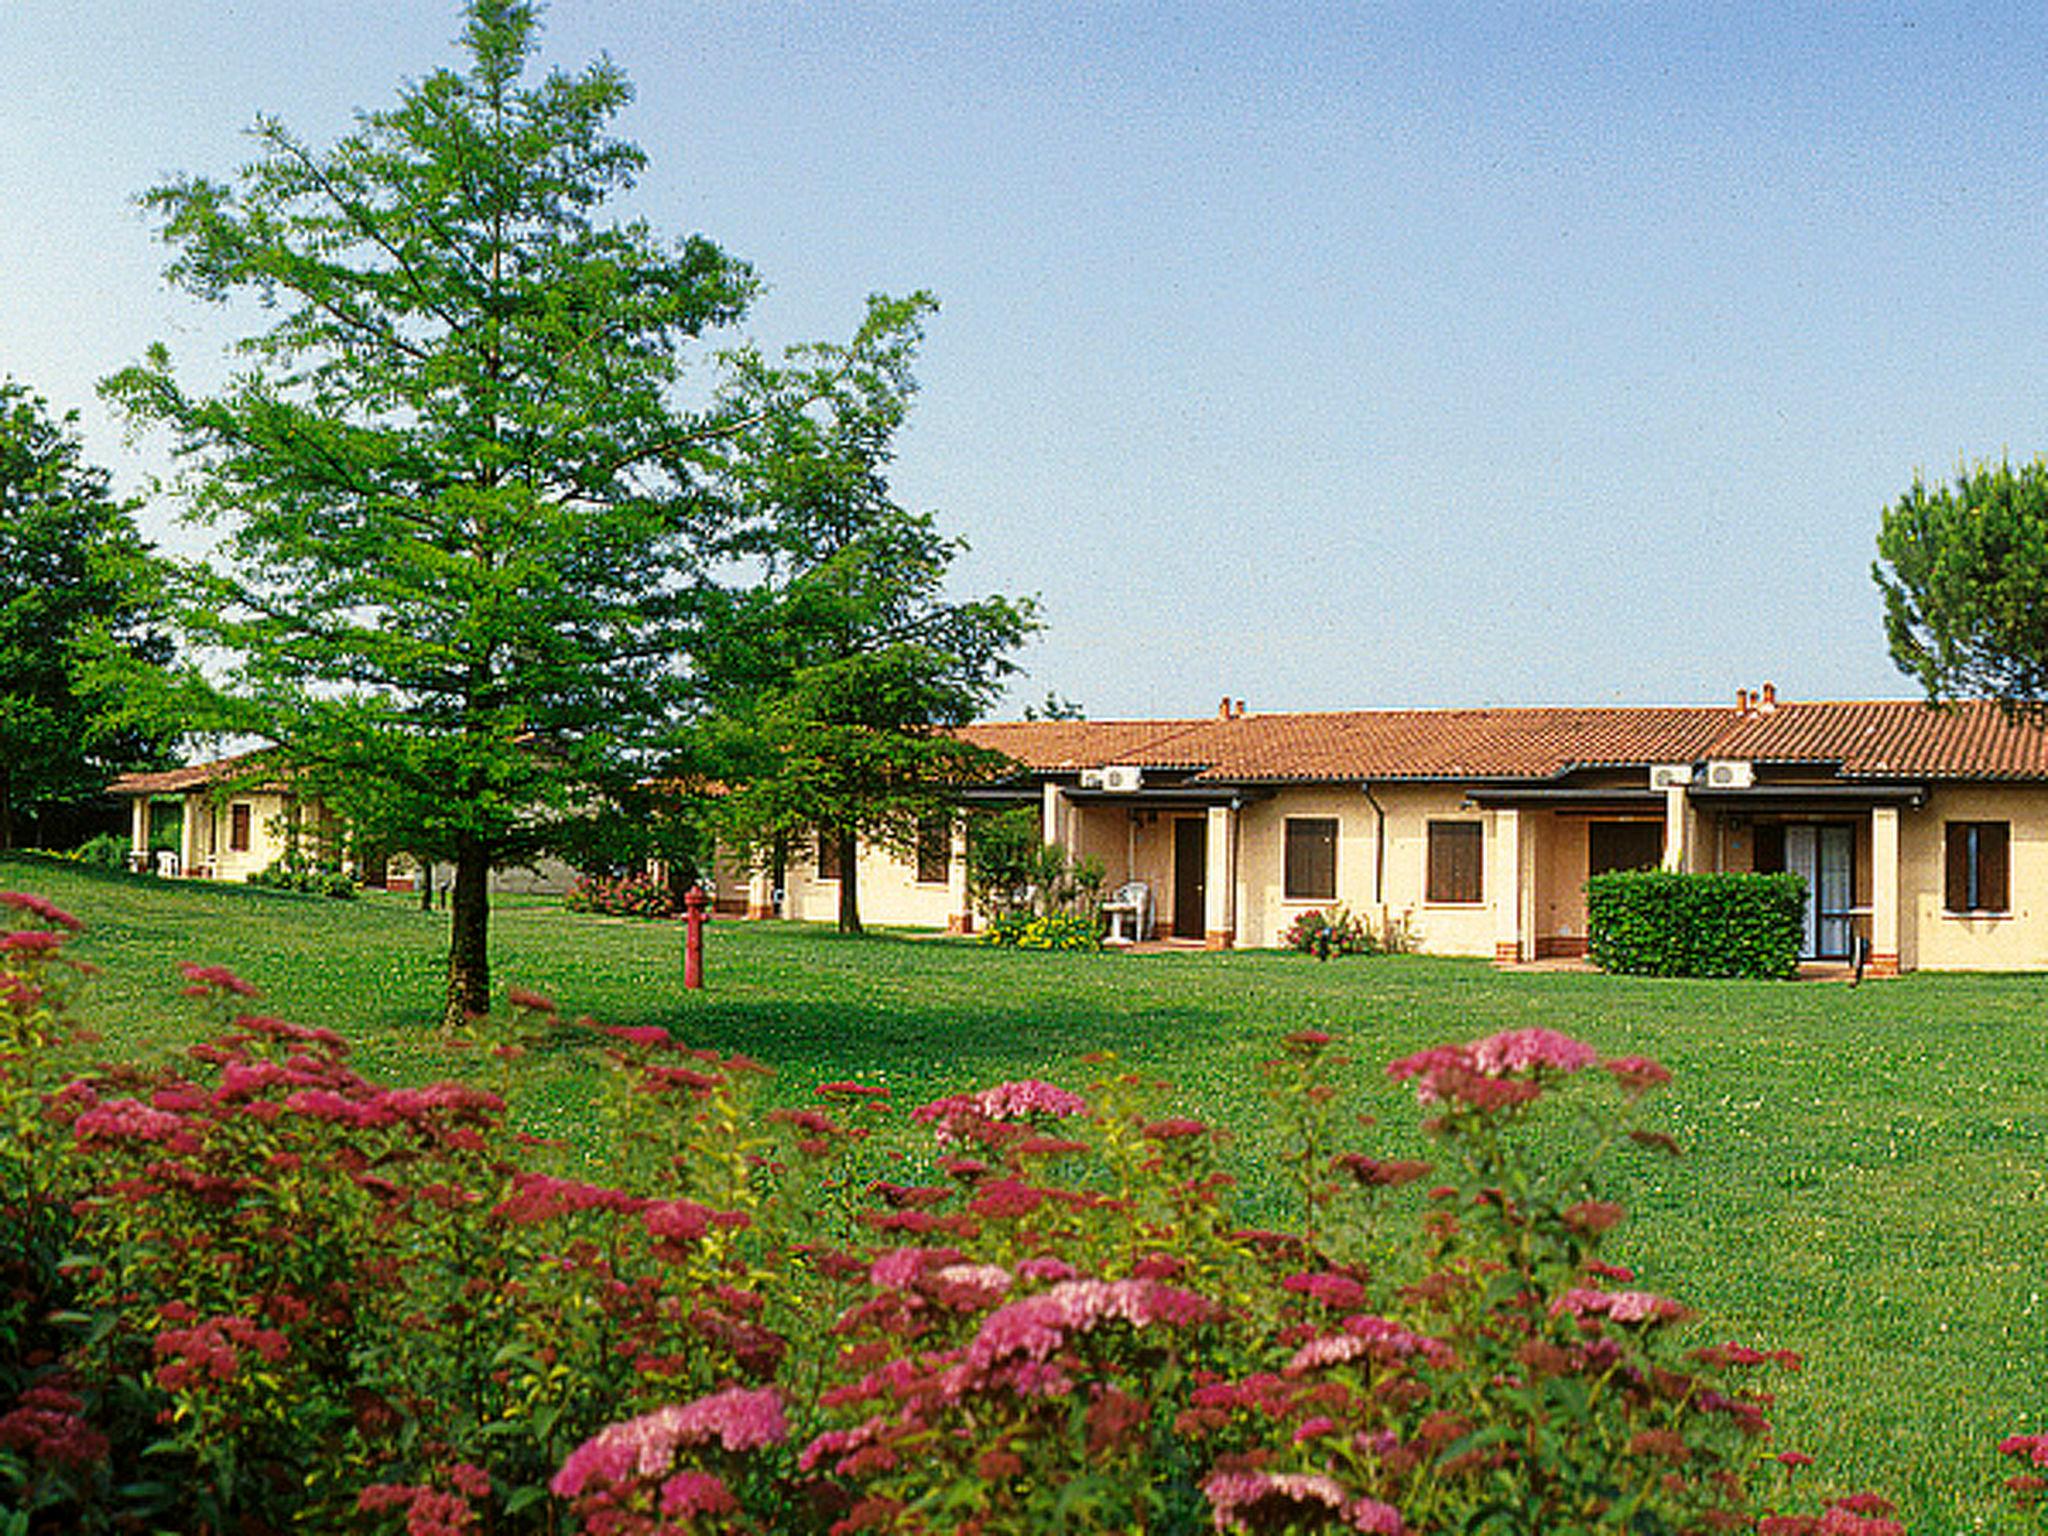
point(1964, 570)
point(834, 684)
point(463, 512)
point(77, 590)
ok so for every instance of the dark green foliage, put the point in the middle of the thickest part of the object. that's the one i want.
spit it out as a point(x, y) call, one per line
point(76, 592)
point(1962, 568)
point(297, 872)
point(833, 686)
point(107, 850)
point(1654, 922)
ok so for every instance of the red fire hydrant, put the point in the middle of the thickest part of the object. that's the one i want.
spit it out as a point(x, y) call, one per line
point(693, 940)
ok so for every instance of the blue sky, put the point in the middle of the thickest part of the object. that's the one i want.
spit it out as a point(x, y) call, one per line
point(1325, 356)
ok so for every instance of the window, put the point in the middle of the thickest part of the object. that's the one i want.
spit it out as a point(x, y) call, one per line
point(1454, 857)
point(1612, 845)
point(1311, 858)
point(934, 850)
point(238, 829)
point(1978, 867)
point(828, 856)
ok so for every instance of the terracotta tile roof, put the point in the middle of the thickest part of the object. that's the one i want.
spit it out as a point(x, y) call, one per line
point(175, 781)
point(1886, 739)
point(1897, 738)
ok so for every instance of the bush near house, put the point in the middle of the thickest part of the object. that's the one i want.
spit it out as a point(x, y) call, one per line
point(1654, 922)
point(1050, 930)
point(257, 1289)
point(1323, 934)
point(296, 871)
point(629, 895)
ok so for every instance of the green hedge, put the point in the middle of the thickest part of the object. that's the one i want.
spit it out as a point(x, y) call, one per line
point(1653, 922)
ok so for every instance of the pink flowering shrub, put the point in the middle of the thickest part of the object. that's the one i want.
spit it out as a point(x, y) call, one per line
point(263, 1291)
point(631, 895)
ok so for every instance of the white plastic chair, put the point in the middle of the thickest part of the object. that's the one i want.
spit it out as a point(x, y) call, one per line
point(1132, 900)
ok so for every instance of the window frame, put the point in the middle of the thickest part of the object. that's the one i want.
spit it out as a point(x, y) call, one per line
point(1459, 827)
point(1977, 867)
point(925, 858)
point(1331, 829)
point(241, 826)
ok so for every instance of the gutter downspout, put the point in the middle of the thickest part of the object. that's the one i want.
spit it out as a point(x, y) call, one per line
point(1379, 848)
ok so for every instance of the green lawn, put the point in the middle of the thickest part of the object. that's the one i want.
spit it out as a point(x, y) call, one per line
point(1865, 1171)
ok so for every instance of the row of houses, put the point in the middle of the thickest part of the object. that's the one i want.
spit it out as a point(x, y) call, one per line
point(1921, 832)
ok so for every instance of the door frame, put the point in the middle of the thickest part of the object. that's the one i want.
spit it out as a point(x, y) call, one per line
point(1190, 884)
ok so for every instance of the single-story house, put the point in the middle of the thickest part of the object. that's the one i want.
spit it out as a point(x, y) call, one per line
point(234, 822)
point(1922, 832)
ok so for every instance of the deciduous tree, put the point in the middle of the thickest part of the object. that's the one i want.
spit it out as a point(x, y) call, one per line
point(458, 499)
point(76, 589)
point(838, 680)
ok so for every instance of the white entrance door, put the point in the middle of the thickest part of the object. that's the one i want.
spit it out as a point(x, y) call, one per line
point(1825, 857)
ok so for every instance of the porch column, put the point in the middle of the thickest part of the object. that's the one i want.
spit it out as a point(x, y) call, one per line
point(1220, 875)
point(1053, 816)
point(959, 916)
point(138, 833)
point(197, 808)
point(1676, 805)
point(1884, 891)
point(1504, 880)
point(760, 894)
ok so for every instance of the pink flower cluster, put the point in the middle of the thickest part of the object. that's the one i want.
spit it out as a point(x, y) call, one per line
point(47, 1427)
point(955, 1117)
point(36, 906)
point(1036, 1326)
point(740, 1419)
point(1273, 1500)
point(1621, 1306)
point(1506, 1070)
point(211, 1351)
point(1369, 1337)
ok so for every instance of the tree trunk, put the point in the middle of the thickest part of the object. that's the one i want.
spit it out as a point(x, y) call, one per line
point(426, 882)
point(469, 960)
point(849, 884)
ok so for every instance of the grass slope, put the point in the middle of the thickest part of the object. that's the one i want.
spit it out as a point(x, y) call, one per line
point(1864, 1179)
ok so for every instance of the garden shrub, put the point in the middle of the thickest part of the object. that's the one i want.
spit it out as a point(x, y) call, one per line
point(253, 1291)
point(104, 850)
point(295, 871)
point(1052, 930)
point(628, 895)
point(1323, 934)
point(1653, 922)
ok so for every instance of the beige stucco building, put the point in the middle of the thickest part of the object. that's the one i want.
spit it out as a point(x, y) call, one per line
point(1921, 834)
point(234, 822)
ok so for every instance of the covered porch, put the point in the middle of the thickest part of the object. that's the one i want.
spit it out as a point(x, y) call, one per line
point(1843, 840)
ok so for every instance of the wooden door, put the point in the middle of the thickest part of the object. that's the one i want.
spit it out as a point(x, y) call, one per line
point(1190, 876)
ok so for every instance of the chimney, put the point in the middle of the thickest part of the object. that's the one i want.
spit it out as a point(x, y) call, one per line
point(1769, 701)
point(1238, 713)
point(1742, 701)
point(1223, 709)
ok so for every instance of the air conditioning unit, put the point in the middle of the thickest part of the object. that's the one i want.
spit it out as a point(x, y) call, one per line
point(1730, 773)
point(1122, 778)
point(1670, 775)
point(1092, 778)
